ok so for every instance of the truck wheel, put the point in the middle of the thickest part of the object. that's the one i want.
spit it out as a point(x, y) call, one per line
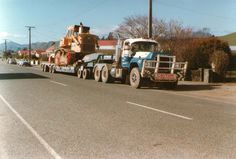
point(43, 68)
point(97, 75)
point(50, 69)
point(46, 68)
point(53, 69)
point(106, 77)
point(79, 73)
point(135, 78)
point(85, 74)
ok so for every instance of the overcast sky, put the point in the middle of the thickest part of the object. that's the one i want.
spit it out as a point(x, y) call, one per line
point(51, 17)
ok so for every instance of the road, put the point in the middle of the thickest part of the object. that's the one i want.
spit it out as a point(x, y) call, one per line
point(46, 115)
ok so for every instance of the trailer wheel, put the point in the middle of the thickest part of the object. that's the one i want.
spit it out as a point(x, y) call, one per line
point(53, 69)
point(46, 68)
point(79, 73)
point(50, 69)
point(85, 74)
point(97, 75)
point(106, 77)
point(135, 78)
point(43, 68)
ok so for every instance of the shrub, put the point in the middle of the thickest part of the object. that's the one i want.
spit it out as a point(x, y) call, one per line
point(220, 61)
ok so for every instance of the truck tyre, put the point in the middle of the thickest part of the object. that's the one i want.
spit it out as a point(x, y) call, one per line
point(79, 73)
point(50, 69)
point(85, 74)
point(97, 75)
point(53, 69)
point(135, 78)
point(106, 77)
point(46, 68)
point(43, 68)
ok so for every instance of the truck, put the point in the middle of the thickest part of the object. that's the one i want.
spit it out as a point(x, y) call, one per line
point(90, 61)
point(139, 61)
point(77, 43)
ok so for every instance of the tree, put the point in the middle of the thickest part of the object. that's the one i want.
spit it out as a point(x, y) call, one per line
point(204, 32)
point(137, 27)
point(110, 36)
point(8, 54)
point(220, 62)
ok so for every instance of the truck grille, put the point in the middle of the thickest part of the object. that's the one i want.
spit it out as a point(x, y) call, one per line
point(165, 64)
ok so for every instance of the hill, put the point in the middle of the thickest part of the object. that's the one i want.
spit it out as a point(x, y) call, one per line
point(231, 38)
point(12, 46)
point(15, 46)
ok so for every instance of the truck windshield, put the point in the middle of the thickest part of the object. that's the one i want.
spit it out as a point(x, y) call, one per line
point(144, 46)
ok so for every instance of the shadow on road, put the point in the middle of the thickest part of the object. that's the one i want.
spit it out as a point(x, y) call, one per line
point(187, 87)
point(10, 76)
point(196, 87)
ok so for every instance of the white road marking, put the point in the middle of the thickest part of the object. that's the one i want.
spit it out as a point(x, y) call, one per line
point(161, 111)
point(62, 84)
point(40, 139)
point(195, 96)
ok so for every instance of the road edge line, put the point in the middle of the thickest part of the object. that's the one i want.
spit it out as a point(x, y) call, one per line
point(31, 129)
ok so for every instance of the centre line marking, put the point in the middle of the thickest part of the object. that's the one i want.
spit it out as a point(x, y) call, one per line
point(59, 83)
point(161, 111)
point(27, 125)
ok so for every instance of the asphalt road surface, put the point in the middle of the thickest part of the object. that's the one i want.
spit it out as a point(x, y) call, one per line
point(46, 115)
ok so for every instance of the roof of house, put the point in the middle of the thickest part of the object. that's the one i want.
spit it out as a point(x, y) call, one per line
point(23, 52)
point(107, 42)
point(39, 51)
point(51, 48)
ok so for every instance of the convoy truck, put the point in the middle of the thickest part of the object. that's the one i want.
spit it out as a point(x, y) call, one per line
point(77, 43)
point(140, 61)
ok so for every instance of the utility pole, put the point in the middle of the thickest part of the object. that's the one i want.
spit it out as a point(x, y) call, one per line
point(29, 27)
point(5, 45)
point(150, 20)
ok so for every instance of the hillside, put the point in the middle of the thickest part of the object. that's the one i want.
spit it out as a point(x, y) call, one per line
point(231, 38)
point(15, 46)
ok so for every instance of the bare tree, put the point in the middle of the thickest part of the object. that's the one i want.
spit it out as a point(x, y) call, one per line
point(137, 27)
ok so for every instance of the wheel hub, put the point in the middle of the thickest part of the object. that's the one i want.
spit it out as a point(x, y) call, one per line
point(134, 77)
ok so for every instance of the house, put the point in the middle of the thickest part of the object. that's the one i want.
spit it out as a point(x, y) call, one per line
point(51, 49)
point(37, 52)
point(23, 52)
point(233, 49)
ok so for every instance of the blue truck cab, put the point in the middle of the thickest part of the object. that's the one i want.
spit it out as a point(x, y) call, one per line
point(134, 51)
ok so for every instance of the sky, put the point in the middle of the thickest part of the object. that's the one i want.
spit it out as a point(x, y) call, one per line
point(51, 17)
